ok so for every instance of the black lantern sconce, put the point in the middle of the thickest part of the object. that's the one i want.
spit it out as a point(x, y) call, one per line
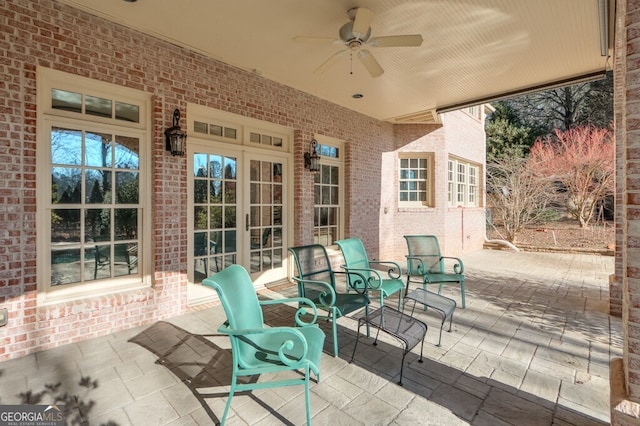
point(176, 138)
point(311, 158)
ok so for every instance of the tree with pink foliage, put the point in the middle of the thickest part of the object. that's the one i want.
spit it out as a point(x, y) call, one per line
point(581, 161)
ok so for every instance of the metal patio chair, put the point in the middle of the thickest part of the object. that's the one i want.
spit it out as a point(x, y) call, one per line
point(356, 261)
point(317, 281)
point(426, 265)
point(260, 350)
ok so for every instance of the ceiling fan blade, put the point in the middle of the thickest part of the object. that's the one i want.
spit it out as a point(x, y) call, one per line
point(396, 41)
point(362, 22)
point(317, 40)
point(370, 63)
point(329, 62)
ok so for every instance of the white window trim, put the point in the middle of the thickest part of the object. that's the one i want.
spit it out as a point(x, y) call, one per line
point(244, 126)
point(430, 191)
point(338, 162)
point(452, 186)
point(47, 79)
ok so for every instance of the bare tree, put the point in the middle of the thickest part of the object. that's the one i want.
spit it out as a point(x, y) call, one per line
point(581, 161)
point(516, 192)
point(567, 107)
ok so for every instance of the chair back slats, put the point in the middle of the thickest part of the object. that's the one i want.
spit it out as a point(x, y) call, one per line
point(312, 263)
point(240, 303)
point(355, 256)
point(426, 249)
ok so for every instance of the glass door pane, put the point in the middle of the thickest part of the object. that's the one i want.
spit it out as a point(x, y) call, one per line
point(265, 215)
point(215, 213)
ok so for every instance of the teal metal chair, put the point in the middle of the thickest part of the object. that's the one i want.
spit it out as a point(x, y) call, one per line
point(316, 280)
point(426, 265)
point(259, 350)
point(357, 262)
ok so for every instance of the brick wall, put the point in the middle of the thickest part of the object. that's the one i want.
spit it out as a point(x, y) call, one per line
point(45, 33)
point(458, 231)
point(625, 284)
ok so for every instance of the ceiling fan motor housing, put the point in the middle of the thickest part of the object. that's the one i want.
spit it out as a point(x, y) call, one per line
point(346, 34)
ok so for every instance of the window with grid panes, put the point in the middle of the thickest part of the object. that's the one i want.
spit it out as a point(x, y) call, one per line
point(414, 181)
point(92, 205)
point(462, 183)
point(327, 197)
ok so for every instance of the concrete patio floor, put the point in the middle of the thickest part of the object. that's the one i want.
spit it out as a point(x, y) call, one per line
point(532, 348)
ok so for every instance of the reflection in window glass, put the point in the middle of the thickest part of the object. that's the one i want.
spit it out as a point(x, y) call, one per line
point(127, 152)
point(215, 130)
point(66, 267)
point(200, 127)
point(127, 112)
point(97, 106)
point(97, 225)
point(66, 101)
point(66, 146)
point(98, 187)
point(230, 133)
point(214, 214)
point(326, 211)
point(126, 224)
point(66, 187)
point(84, 179)
point(65, 226)
point(97, 150)
point(127, 187)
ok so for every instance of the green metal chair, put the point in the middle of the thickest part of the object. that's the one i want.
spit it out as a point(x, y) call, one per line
point(356, 261)
point(317, 281)
point(426, 265)
point(258, 350)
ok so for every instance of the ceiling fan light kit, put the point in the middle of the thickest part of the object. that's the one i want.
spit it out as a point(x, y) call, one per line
point(355, 35)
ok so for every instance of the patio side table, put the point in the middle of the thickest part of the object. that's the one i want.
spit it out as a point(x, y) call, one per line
point(442, 305)
point(408, 330)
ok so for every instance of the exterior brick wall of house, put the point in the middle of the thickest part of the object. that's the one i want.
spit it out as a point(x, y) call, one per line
point(460, 135)
point(44, 33)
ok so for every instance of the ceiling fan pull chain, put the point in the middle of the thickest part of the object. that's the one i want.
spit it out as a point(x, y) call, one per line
point(351, 63)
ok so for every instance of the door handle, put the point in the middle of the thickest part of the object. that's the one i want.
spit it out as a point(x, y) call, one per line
point(246, 226)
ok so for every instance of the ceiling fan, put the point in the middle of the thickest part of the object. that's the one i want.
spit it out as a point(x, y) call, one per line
point(355, 35)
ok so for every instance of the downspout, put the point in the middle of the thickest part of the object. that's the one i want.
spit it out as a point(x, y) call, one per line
point(503, 242)
point(462, 226)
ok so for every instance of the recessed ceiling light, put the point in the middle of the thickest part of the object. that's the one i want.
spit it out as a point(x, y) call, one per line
point(357, 96)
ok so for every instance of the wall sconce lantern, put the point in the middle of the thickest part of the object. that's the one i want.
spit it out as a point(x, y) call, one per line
point(311, 158)
point(176, 138)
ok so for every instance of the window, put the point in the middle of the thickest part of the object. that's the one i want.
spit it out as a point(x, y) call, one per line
point(328, 193)
point(91, 208)
point(414, 182)
point(473, 111)
point(462, 183)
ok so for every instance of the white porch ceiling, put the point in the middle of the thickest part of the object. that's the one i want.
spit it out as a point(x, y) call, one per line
point(472, 50)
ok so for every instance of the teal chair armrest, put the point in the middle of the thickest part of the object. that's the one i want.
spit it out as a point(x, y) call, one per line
point(394, 272)
point(421, 269)
point(287, 339)
point(458, 266)
point(326, 296)
point(302, 310)
point(373, 281)
point(360, 277)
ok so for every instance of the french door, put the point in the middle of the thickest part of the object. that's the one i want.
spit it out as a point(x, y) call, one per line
point(237, 212)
